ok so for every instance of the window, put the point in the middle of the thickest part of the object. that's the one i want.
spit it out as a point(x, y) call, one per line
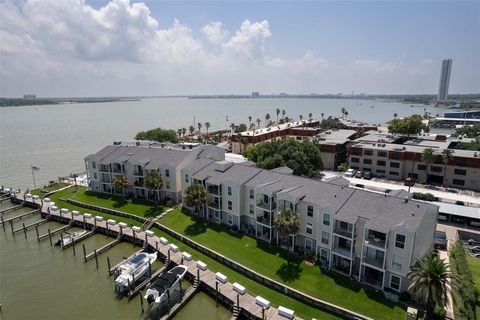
point(229, 219)
point(368, 152)
point(395, 282)
point(458, 182)
point(95, 175)
point(325, 237)
point(381, 163)
point(436, 169)
point(380, 171)
point(324, 255)
point(382, 154)
point(367, 161)
point(421, 167)
point(167, 173)
point(394, 173)
point(310, 211)
point(308, 244)
point(394, 164)
point(326, 219)
point(94, 165)
point(167, 185)
point(397, 262)
point(229, 190)
point(230, 205)
point(400, 241)
point(460, 172)
point(395, 155)
point(309, 228)
point(251, 210)
point(355, 160)
point(461, 163)
point(187, 180)
point(252, 194)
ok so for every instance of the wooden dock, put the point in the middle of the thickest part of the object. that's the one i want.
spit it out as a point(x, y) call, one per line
point(26, 227)
point(11, 209)
point(45, 236)
point(177, 306)
point(20, 216)
point(83, 237)
point(102, 249)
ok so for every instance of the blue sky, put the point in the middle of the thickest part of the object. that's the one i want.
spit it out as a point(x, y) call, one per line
point(373, 47)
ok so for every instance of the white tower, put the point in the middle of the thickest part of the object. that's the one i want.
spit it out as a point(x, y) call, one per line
point(444, 80)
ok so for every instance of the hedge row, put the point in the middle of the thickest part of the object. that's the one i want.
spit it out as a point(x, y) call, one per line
point(464, 306)
point(424, 196)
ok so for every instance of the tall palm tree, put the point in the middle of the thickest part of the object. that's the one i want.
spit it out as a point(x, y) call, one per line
point(310, 115)
point(196, 196)
point(207, 125)
point(278, 112)
point(447, 155)
point(430, 280)
point(267, 118)
point(428, 157)
point(199, 125)
point(346, 114)
point(343, 110)
point(301, 117)
point(232, 126)
point(179, 132)
point(191, 129)
point(120, 183)
point(395, 115)
point(184, 130)
point(287, 223)
point(154, 182)
point(249, 121)
point(322, 115)
point(283, 113)
point(258, 121)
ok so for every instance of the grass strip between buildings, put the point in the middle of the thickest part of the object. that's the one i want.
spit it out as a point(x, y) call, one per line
point(257, 255)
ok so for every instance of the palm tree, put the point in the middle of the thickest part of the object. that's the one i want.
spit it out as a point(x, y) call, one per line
point(287, 223)
point(184, 130)
point(343, 110)
point(278, 112)
point(249, 121)
point(447, 155)
point(310, 115)
point(283, 113)
point(191, 129)
point(120, 183)
point(258, 123)
point(346, 114)
point(232, 126)
point(154, 182)
point(430, 280)
point(301, 117)
point(428, 157)
point(199, 125)
point(179, 132)
point(267, 117)
point(322, 114)
point(196, 196)
point(395, 115)
point(207, 125)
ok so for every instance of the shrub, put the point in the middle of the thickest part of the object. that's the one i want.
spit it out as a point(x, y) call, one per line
point(405, 296)
point(465, 299)
point(424, 196)
point(342, 167)
point(439, 313)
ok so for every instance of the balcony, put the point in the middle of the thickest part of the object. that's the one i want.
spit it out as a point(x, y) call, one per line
point(341, 265)
point(105, 178)
point(214, 190)
point(267, 205)
point(343, 251)
point(265, 220)
point(105, 168)
point(138, 172)
point(344, 229)
point(376, 239)
point(117, 168)
point(373, 277)
point(214, 205)
point(375, 262)
point(138, 183)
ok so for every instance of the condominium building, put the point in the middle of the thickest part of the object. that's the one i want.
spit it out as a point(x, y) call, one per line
point(135, 160)
point(333, 146)
point(396, 157)
point(373, 237)
point(444, 80)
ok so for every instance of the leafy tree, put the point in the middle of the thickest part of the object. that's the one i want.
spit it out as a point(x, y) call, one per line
point(408, 126)
point(330, 123)
point(158, 134)
point(196, 196)
point(120, 183)
point(342, 167)
point(154, 182)
point(472, 145)
point(302, 157)
point(430, 279)
point(472, 131)
point(287, 223)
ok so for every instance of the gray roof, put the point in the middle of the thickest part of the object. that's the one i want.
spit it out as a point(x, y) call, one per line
point(102, 153)
point(284, 170)
point(199, 164)
point(339, 181)
point(237, 172)
point(383, 212)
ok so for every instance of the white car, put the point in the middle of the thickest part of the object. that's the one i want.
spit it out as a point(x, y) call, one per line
point(350, 173)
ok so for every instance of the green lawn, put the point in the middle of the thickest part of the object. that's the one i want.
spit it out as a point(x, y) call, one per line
point(474, 265)
point(271, 262)
point(46, 189)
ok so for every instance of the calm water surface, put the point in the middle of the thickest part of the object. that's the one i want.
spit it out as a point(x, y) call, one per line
point(58, 137)
point(38, 281)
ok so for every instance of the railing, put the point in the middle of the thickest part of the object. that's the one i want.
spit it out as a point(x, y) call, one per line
point(263, 220)
point(138, 173)
point(214, 205)
point(374, 262)
point(138, 184)
point(214, 190)
point(377, 242)
point(346, 252)
point(266, 206)
point(343, 232)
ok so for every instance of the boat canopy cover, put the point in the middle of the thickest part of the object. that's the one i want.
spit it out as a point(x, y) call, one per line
point(164, 282)
point(138, 258)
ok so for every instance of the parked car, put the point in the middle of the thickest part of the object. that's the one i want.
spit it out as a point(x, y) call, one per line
point(359, 174)
point(350, 172)
point(368, 176)
point(440, 241)
point(409, 182)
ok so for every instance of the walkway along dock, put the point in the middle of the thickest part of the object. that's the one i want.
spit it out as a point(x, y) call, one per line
point(216, 284)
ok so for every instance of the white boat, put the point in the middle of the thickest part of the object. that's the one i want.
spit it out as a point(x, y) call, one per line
point(69, 238)
point(167, 281)
point(133, 269)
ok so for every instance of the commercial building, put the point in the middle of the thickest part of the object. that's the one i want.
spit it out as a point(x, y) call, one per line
point(396, 158)
point(333, 146)
point(373, 237)
point(444, 80)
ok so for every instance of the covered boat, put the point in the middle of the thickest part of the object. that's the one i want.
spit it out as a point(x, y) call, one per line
point(133, 269)
point(167, 281)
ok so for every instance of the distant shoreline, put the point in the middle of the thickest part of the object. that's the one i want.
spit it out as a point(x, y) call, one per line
point(20, 102)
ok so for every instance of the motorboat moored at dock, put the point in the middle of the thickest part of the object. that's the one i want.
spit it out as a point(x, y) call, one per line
point(167, 281)
point(133, 269)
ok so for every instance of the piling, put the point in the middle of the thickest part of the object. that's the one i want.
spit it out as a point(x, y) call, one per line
point(141, 300)
point(50, 237)
point(134, 237)
point(149, 270)
point(61, 239)
point(156, 245)
point(96, 258)
point(84, 253)
point(11, 226)
point(73, 246)
point(24, 230)
point(216, 289)
point(36, 231)
point(3, 223)
point(108, 265)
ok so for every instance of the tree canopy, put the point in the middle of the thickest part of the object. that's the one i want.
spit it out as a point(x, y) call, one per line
point(158, 134)
point(407, 126)
point(330, 123)
point(196, 196)
point(469, 131)
point(302, 157)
